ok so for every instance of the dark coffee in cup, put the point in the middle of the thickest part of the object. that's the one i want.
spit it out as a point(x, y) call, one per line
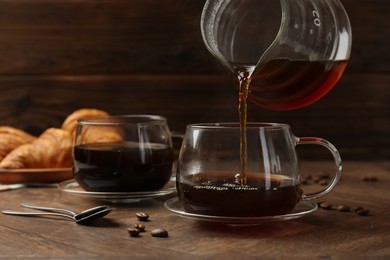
point(222, 194)
point(122, 166)
point(215, 178)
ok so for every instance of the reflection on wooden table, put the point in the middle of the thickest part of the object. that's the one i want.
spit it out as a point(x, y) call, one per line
point(321, 234)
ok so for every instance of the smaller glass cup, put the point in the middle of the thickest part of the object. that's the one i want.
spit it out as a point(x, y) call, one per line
point(210, 180)
point(126, 153)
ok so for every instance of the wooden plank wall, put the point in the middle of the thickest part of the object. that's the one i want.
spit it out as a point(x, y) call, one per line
point(127, 57)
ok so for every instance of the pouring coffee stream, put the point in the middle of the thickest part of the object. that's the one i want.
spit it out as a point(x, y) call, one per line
point(283, 54)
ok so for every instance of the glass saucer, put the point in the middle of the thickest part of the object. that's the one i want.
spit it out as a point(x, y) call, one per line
point(72, 187)
point(303, 208)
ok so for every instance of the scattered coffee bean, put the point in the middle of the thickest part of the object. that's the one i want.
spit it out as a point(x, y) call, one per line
point(317, 179)
point(325, 205)
point(307, 177)
point(304, 181)
point(343, 208)
point(323, 182)
point(370, 178)
point(133, 232)
point(140, 227)
point(324, 175)
point(363, 212)
point(374, 178)
point(159, 233)
point(142, 216)
point(356, 209)
point(322, 179)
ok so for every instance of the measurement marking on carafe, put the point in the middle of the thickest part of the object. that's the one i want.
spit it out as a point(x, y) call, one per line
point(317, 20)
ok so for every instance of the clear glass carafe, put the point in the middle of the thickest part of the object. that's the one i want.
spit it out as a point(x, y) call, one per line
point(288, 54)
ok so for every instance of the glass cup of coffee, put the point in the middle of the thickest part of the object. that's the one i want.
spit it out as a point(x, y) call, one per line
point(127, 153)
point(214, 178)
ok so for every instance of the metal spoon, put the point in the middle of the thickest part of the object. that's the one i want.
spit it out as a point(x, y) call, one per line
point(80, 218)
point(86, 212)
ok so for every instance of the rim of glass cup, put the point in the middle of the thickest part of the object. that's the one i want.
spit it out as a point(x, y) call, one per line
point(114, 120)
point(236, 125)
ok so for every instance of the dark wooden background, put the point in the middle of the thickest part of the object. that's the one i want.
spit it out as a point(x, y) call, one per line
point(127, 57)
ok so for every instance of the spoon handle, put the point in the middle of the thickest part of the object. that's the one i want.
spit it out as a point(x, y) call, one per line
point(23, 213)
point(25, 205)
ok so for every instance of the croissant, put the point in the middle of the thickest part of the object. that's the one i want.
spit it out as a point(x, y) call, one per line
point(92, 134)
point(52, 149)
point(70, 122)
point(8, 142)
point(101, 135)
point(10, 138)
point(26, 137)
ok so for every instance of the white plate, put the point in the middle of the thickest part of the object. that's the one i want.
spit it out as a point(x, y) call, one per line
point(43, 175)
point(303, 208)
point(72, 187)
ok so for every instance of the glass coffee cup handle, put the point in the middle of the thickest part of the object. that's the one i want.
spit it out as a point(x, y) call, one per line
point(179, 136)
point(337, 161)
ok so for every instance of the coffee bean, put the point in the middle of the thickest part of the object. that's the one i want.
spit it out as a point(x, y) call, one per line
point(133, 232)
point(325, 205)
point(142, 216)
point(324, 175)
point(140, 227)
point(363, 212)
point(323, 182)
point(356, 209)
point(304, 181)
point(159, 233)
point(343, 208)
point(317, 179)
point(374, 178)
point(370, 178)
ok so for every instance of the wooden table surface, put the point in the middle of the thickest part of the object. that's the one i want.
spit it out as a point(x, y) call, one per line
point(323, 234)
